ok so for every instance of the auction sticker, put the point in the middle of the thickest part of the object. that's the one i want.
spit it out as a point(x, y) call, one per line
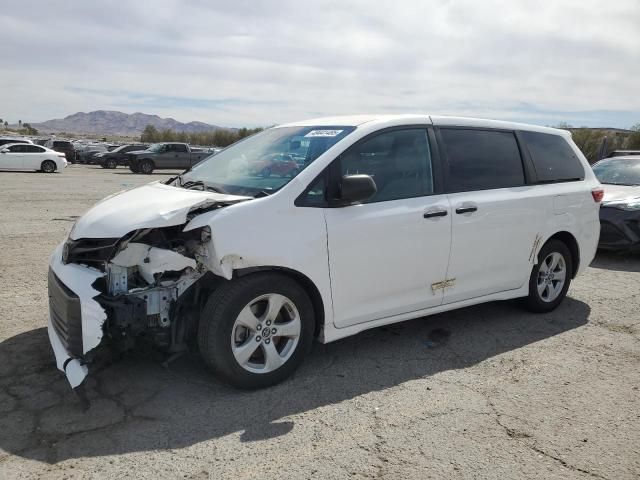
point(324, 133)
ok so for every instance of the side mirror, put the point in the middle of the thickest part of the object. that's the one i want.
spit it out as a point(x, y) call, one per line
point(356, 188)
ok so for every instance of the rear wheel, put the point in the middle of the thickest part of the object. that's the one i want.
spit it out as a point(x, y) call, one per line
point(255, 331)
point(146, 167)
point(48, 166)
point(550, 278)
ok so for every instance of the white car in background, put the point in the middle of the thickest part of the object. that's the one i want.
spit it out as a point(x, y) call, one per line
point(25, 156)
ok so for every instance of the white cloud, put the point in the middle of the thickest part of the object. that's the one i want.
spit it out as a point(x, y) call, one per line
point(264, 62)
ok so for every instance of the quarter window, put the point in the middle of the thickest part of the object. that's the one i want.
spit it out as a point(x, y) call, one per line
point(399, 161)
point(482, 159)
point(553, 159)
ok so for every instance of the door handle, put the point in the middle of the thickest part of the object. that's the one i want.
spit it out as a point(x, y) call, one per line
point(435, 213)
point(469, 209)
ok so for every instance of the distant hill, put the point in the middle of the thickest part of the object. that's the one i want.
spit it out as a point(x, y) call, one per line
point(105, 122)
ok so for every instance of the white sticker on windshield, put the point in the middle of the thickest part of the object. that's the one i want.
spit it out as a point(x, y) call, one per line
point(324, 133)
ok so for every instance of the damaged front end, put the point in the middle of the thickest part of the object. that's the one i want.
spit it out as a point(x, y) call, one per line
point(143, 288)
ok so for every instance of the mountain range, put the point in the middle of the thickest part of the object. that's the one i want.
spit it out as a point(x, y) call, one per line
point(107, 122)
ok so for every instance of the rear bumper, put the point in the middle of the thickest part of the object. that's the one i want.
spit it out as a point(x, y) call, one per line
point(619, 229)
point(75, 317)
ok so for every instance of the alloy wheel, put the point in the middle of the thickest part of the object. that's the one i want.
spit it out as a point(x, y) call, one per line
point(551, 277)
point(265, 333)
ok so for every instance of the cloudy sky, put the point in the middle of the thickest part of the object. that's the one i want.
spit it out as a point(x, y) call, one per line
point(252, 62)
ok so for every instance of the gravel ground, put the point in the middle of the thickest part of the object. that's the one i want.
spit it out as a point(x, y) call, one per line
point(484, 392)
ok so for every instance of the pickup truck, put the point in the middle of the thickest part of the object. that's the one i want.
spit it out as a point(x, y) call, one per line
point(159, 156)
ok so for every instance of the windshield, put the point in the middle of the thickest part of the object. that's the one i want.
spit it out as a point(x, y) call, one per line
point(618, 171)
point(266, 161)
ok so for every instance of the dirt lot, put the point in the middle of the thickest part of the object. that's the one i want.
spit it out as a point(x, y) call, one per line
point(485, 392)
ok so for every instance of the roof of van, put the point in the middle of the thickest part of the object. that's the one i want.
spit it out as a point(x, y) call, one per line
point(356, 120)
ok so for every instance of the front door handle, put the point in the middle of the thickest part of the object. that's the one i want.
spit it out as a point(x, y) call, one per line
point(435, 213)
point(469, 209)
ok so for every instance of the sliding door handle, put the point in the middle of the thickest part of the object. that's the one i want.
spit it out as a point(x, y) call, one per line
point(469, 209)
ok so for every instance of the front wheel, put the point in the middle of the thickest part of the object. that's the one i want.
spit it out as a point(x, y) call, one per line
point(111, 163)
point(550, 278)
point(256, 330)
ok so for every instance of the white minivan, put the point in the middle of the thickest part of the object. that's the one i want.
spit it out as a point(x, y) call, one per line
point(386, 218)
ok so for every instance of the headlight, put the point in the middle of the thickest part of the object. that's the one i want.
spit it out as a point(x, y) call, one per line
point(628, 204)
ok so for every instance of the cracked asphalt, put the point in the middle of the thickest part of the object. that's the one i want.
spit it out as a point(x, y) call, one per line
point(484, 392)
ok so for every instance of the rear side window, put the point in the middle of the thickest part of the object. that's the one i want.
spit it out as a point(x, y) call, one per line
point(62, 144)
point(553, 158)
point(33, 149)
point(482, 159)
point(180, 148)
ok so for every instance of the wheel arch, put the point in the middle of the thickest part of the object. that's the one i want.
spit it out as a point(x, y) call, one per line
point(572, 244)
point(305, 282)
point(55, 164)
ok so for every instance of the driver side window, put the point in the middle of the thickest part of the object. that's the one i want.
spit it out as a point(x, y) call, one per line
point(399, 161)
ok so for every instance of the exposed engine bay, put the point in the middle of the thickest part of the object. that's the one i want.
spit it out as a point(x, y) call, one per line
point(147, 276)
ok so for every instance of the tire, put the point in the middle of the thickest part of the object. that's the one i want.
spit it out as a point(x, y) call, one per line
point(111, 163)
point(146, 166)
point(134, 168)
point(222, 339)
point(553, 254)
point(48, 166)
point(265, 172)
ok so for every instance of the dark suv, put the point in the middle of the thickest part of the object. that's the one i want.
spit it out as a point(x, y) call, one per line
point(63, 146)
point(117, 156)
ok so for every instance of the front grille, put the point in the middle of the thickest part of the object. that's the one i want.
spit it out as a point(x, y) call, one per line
point(66, 317)
point(89, 251)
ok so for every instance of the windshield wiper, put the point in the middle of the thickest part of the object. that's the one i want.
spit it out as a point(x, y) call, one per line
point(262, 193)
point(199, 183)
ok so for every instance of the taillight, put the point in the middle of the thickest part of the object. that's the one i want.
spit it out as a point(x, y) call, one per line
point(597, 194)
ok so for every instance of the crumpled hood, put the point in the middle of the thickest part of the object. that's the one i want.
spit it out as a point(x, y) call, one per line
point(154, 205)
point(619, 192)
